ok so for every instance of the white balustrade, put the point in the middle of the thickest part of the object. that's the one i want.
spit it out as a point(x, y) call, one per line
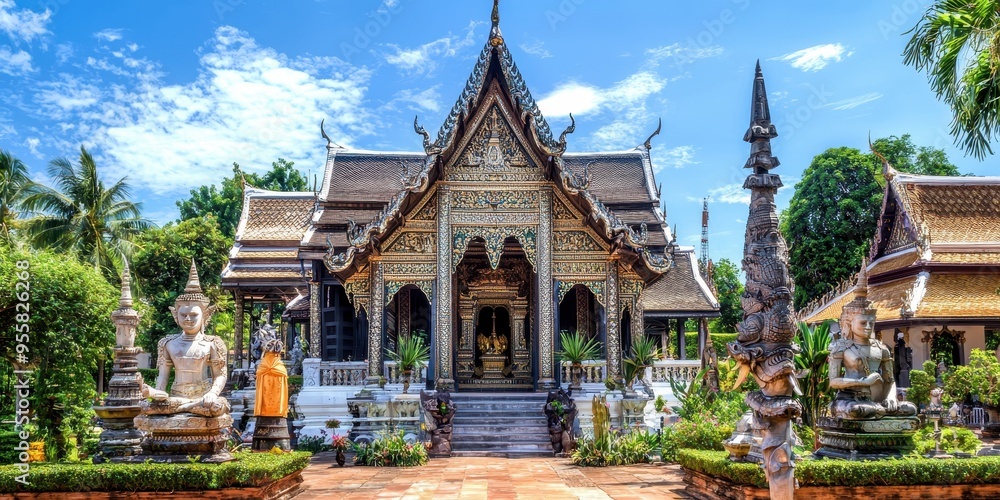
point(680, 370)
point(394, 375)
point(593, 372)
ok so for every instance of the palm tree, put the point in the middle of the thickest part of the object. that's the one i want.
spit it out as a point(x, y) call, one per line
point(957, 43)
point(81, 216)
point(14, 187)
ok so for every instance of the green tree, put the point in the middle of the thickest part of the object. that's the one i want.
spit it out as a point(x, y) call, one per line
point(161, 266)
point(69, 331)
point(14, 187)
point(830, 220)
point(81, 216)
point(226, 203)
point(955, 43)
point(726, 277)
point(904, 156)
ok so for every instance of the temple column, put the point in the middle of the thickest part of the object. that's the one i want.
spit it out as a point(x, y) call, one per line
point(611, 317)
point(315, 340)
point(546, 296)
point(638, 322)
point(582, 311)
point(376, 322)
point(681, 339)
point(403, 311)
point(702, 337)
point(443, 326)
point(238, 327)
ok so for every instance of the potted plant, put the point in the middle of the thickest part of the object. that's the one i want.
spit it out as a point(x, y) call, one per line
point(644, 353)
point(577, 348)
point(340, 445)
point(410, 354)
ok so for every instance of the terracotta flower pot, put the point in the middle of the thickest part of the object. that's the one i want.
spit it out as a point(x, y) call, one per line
point(340, 458)
point(406, 380)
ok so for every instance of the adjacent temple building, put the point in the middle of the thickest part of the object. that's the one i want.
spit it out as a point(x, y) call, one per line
point(491, 241)
point(933, 271)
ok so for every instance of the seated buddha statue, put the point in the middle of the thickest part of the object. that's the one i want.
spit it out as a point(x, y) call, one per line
point(861, 367)
point(198, 361)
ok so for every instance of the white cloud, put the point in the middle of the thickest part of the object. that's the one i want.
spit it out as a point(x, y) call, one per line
point(571, 97)
point(109, 34)
point(32, 144)
point(64, 51)
point(390, 3)
point(730, 193)
point(15, 63)
point(677, 157)
point(681, 54)
point(23, 24)
point(424, 58)
point(247, 103)
point(422, 100)
point(816, 57)
point(853, 102)
point(536, 48)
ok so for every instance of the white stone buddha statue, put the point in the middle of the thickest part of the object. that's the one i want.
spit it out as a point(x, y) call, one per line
point(198, 361)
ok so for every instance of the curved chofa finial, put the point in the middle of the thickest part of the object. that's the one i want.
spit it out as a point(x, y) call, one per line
point(322, 130)
point(569, 130)
point(649, 144)
point(496, 39)
point(429, 146)
point(887, 171)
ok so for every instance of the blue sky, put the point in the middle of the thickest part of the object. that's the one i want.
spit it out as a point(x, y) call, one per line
point(171, 93)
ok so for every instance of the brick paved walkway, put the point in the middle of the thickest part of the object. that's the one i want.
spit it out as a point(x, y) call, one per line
point(493, 478)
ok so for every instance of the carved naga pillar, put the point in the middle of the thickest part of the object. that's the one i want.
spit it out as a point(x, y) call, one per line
point(764, 345)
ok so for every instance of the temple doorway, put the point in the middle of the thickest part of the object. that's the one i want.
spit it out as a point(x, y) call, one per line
point(494, 296)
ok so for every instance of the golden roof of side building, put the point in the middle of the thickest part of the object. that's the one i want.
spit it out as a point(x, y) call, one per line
point(954, 209)
point(887, 299)
point(272, 216)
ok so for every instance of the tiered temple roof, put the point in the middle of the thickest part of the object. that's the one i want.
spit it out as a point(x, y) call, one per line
point(936, 252)
point(265, 253)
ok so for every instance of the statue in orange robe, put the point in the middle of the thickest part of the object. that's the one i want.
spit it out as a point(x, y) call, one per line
point(272, 382)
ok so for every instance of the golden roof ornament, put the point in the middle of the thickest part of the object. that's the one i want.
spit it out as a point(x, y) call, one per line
point(496, 38)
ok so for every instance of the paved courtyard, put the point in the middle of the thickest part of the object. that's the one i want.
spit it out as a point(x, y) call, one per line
point(493, 478)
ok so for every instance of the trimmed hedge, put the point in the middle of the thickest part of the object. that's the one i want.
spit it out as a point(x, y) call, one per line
point(827, 472)
point(248, 470)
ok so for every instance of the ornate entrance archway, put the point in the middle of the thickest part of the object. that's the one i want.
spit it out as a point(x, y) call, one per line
point(494, 347)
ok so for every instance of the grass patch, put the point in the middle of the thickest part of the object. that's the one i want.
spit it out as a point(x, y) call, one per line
point(827, 472)
point(248, 470)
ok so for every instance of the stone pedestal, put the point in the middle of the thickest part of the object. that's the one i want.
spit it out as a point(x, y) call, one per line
point(271, 432)
point(180, 437)
point(119, 438)
point(870, 439)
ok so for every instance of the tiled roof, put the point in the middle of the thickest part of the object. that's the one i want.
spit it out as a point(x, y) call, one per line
point(250, 253)
point(271, 216)
point(893, 262)
point(679, 290)
point(268, 273)
point(365, 176)
point(961, 295)
point(887, 299)
point(333, 216)
point(615, 177)
point(955, 209)
point(989, 258)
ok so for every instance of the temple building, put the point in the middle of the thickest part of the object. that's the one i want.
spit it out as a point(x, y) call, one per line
point(934, 271)
point(490, 241)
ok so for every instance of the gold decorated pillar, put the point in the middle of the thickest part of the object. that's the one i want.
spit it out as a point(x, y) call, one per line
point(611, 316)
point(238, 327)
point(443, 327)
point(315, 342)
point(403, 311)
point(546, 299)
point(582, 312)
point(375, 321)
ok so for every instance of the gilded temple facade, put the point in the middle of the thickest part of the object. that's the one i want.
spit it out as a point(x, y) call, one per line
point(490, 241)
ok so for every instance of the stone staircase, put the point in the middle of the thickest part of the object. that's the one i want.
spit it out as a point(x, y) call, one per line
point(490, 424)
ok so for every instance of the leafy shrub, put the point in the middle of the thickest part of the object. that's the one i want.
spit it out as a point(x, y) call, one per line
point(248, 470)
point(700, 434)
point(953, 439)
point(313, 444)
point(921, 382)
point(719, 341)
point(828, 472)
point(390, 450)
point(659, 403)
point(632, 447)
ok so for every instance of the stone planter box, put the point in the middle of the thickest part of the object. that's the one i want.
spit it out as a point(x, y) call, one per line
point(706, 487)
